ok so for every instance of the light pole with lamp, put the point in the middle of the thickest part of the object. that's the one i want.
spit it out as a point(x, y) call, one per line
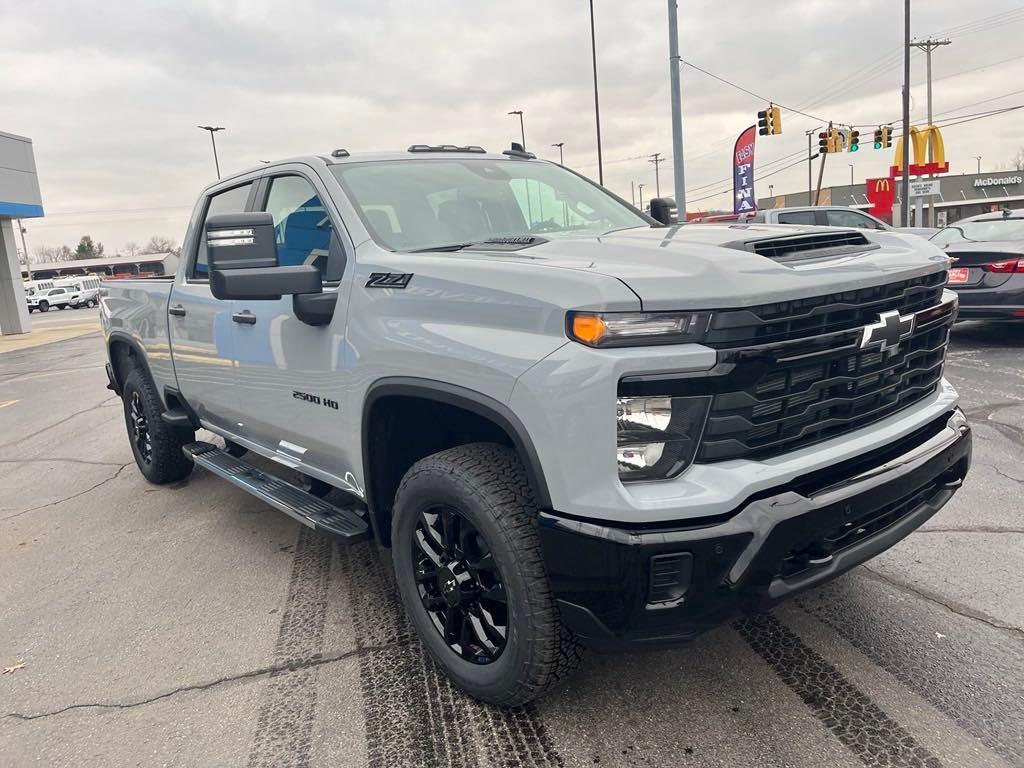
point(978, 158)
point(213, 130)
point(522, 128)
point(560, 156)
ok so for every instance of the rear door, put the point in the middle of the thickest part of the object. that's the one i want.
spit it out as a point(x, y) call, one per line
point(291, 376)
point(201, 331)
point(803, 218)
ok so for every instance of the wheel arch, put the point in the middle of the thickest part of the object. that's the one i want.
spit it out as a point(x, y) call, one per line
point(125, 353)
point(394, 397)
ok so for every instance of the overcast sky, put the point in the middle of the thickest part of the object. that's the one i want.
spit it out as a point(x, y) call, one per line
point(111, 92)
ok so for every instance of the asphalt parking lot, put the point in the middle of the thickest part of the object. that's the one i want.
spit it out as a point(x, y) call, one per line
point(192, 625)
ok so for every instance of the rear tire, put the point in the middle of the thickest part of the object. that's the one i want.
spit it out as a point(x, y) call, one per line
point(157, 446)
point(504, 599)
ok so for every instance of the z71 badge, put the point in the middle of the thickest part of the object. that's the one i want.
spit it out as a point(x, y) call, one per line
point(388, 280)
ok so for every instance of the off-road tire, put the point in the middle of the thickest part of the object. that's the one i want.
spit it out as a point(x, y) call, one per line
point(44, 307)
point(167, 463)
point(487, 485)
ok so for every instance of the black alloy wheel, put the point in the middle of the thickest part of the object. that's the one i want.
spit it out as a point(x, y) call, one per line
point(459, 584)
point(140, 429)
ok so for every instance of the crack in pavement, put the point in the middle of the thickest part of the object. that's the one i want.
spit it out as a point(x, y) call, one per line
point(68, 498)
point(253, 674)
point(1000, 472)
point(45, 460)
point(63, 421)
point(956, 608)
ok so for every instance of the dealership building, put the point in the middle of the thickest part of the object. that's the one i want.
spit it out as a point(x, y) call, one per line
point(19, 199)
point(959, 196)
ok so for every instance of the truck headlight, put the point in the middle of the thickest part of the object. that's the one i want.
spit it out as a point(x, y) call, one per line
point(658, 436)
point(631, 329)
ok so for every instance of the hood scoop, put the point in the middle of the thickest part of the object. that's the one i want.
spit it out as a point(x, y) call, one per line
point(808, 247)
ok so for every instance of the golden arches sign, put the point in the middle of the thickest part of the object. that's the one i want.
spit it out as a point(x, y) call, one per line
point(920, 141)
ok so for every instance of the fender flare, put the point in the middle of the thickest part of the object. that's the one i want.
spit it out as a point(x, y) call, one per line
point(461, 397)
point(121, 337)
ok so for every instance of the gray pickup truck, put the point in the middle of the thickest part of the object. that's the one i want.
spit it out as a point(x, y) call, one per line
point(567, 423)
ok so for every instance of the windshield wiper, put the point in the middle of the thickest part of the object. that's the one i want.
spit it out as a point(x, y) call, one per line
point(443, 248)
point(497, 243)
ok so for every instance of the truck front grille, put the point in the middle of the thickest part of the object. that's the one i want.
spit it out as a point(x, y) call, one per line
point(784, 396)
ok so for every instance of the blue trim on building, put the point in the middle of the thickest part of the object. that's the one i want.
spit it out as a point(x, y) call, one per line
point(20, 210)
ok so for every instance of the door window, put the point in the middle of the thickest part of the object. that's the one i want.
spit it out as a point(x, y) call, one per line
point(229, 201)
point(850, 219)
point(302, 226)
point(797, 217)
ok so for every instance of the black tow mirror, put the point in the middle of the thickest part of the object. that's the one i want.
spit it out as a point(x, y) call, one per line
point(242, 255)
point(663, 209)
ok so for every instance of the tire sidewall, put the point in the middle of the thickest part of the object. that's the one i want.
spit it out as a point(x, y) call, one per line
point(429, 489)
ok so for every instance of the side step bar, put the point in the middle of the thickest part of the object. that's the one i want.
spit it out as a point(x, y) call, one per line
point(345, 525)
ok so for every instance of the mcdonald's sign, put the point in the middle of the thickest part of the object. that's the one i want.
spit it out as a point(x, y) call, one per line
point(881, 193)
point(920, 141)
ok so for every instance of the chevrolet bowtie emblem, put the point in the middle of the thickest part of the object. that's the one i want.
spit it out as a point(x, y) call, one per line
point(888, 332)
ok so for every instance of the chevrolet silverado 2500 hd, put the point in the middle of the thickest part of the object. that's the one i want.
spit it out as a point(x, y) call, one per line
point(569, 424)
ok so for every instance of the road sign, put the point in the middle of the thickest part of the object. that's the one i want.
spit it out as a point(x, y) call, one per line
point(924, 188)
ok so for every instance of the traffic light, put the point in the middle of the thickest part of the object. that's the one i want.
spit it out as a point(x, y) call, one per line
point(886, 137)
point(878, 137)
point(769, 121)
point(823, 143)
point(854, 139)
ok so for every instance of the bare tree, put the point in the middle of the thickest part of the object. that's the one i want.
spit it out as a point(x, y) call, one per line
point(46, 253)
point(1018, 160)
point(158, 244)
point(131, 249)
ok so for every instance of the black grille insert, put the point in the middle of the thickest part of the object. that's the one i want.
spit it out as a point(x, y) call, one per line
point(815, 245)
point(790, 395)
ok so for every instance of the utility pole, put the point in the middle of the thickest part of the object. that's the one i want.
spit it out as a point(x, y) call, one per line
point(561, 160)
point(677, 111)
point(597, 105)
point(522, 129)
point(905, 183)
point(821, 168)
point(213, 141)
point(810, 159)
point(656, 158)
point(24, 249)
point(928, 46)
point(851, 173)
point(632, 193)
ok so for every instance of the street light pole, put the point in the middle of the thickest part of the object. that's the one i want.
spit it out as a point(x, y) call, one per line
point(522, 129)
point(640, 188)
point(632, 192)
point(905, 183)
point(597, 106)
point(810, 170)
point(213, 130)
point(677, 111)
point(978, 158)
point(24, 249)
point(560, 157)
point(851, 173)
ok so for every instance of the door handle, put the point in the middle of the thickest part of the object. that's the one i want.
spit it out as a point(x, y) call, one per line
point(246, 317)
point(177, 310)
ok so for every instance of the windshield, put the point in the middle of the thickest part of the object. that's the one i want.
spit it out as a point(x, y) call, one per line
point(412, 205)
point(983, 231)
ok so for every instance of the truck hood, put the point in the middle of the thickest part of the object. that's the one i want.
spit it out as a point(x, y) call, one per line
point(707, 266)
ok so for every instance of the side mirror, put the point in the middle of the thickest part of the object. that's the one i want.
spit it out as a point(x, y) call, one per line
point(663, 209)
point(242, 256)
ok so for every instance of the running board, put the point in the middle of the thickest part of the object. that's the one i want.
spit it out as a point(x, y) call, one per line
point(344, 524)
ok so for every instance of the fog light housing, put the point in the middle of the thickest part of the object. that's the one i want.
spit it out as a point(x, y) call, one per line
point(658, 436)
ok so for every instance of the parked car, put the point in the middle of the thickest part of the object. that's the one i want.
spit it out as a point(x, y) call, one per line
point(49, 297)
point(988, 268)
point(570, 424)
point(831, 216)
point(85, 291)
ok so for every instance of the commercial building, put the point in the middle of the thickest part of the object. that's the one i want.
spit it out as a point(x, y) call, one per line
point(141, 265)
point(959, 197)
point(19, 199)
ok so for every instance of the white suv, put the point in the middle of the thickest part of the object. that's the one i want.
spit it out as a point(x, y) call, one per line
point(51, 297)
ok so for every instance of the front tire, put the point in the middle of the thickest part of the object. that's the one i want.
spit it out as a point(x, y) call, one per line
point(155, 444)
point(469, 569)
point(44, 307)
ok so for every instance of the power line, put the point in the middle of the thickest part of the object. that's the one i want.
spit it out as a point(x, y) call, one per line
point(747, 91)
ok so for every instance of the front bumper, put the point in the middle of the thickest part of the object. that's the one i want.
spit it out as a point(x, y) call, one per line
point(663, 585)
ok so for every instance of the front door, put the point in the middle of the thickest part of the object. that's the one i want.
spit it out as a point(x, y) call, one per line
point(291, 376)
point(201, 332)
